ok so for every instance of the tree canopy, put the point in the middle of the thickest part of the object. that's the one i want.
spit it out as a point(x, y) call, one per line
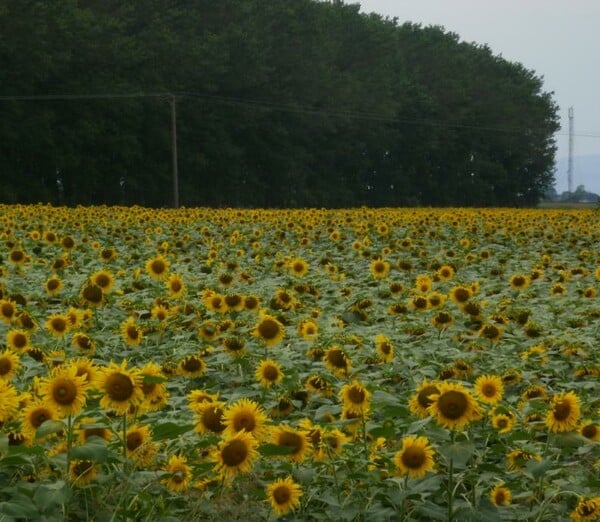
point(279, 104)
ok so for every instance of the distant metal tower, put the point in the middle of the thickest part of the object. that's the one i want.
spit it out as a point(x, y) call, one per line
point(570, 167)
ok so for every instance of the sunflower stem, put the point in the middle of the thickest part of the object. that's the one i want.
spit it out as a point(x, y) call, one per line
point(124, 442)
point(451, 482)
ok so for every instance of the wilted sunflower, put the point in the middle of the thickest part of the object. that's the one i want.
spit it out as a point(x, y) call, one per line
point(384, 348)
point(284, 495)
point(587, 510)
point(490, 332)
point(17, 340)
point(191, 366)
point(245, 415)
point(64, 390)
point(500, 495)
point(141, 449)
point(454, 407)
point(34, 415)
point(121, 388)
point(297, 441)
point(131, 333)
point(356, 398)
point(420, 402)
point(268, 372)
point(104, 279)
point(158, 268)
point(236, 455)
point(54, 285)
point(298, 267)
point(269, 330)
point(235, 346)
point(442, 320)
point(84, 343)
point(379, 268)
point(415, 458)
point(489, 389)
point(175, 286)
point(82, 472)
point(564, 413)
point(209, 417)
point(336, 361)
point(180, 474)
point(9, 365)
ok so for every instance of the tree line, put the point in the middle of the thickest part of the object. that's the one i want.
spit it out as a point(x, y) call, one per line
point(279, 104)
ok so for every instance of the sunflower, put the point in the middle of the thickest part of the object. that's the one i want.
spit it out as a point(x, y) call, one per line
point(489, 389)
point(8, 310)
point(197, 398)
point(108, 254)
point(179, 474)
point(234, 302)
point(158, 268)
point(460, 294)
point(379, 268)
point(445, 273)
point(500, 496)
point(419, 303)
point(384, 348)
point(236, 455)
point(34, 415)
point(283, 299)
point(309, 330)
point(209, 417)
point(519, 458)
point(490, 332)
point(319, 385)
point(269, 330)
point(9, 365)
point(284, 495)
point(121, 387)
point(25, 321)
point(268, 372)
point(298, 267)
point(587, 510)
point(9, 403)
point(53, 285)
point(436, 299)
point(503, 422)
point(153, 385)
point(336, 361)
point(564, 413)
point(356, 398)
point(423, 283)
point(92, 295)
point(191, 366)
point(454, 407)
point(442, 320)
point(57, 325)
point(297, 441)
point(131, 333)
point(332, 443)
point(84, 343)
point(175, 286)
point(64, 390)
point(420, 402)
point(104, 279)
point(235, 346)
point(214, 301)
point(83, 472)
point(17, 256)
point(519, 281)
point(590, 430)
point(245, 415)
point(415, 458)
point(17, 340)
point(251, 302)
point(85, 367)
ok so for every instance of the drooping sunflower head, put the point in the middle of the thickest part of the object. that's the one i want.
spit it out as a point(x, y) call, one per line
point(356, 398)
point(415, 458)
point(191, 366)
point(454, 407)
point(83, 472)
point(590, 430)
point(586, 510)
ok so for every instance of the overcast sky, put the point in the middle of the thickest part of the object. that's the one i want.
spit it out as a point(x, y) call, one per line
point(558, 39)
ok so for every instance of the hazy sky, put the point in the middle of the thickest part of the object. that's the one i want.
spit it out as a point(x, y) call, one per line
point(558, 39)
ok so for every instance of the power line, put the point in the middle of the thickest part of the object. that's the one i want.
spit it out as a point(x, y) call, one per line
point(285, 107)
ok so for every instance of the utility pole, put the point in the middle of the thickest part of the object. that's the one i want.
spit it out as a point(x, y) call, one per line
point(570, 166)
point(173, 102)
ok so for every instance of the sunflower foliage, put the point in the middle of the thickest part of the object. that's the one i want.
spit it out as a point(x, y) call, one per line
point(358, 364)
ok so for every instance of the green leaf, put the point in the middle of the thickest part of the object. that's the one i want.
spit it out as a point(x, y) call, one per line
point(95, 449)
point(269, 450)
point(459, 452)
point(48, 427)
point(13, 509)
point(538, 469)
point(170, 430)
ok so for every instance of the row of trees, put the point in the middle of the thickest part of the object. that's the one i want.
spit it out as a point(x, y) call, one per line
point(291, 103)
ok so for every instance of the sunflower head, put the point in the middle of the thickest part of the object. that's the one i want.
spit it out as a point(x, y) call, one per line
point(284, 495)
point(415, 458)
point(269, 330)
point(268, 373)
point(454, 407)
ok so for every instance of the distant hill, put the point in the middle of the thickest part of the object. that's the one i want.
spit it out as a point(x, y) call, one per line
point(586, 172)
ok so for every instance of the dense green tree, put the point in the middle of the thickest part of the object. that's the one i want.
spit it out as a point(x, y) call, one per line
point(291, 103)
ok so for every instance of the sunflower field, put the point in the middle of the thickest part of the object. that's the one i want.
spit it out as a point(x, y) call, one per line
point(352, 364)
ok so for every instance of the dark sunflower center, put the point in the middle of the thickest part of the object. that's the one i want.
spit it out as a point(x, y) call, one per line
point(502, 423)
point(270, 373)
point(587, 508)
point(290, 440)
point(562, 410)
point(490, 331)
point(132, 332)
point(489, 390)
point(461, 295)
point(500, 497)
point(38, 417)
point(19, 340)
point(17, 256)
point(425, 393)
point(83, 467)
point(443, 318)
point(244, 421)
point(192, 364)
point(379, 267)
point(385, 348)
point(92, 294)
point(5, 366)
point(53, 284)
point(420, 302)
point(7, 310)
point(119, 387)
point(282, 494)
point(356, 395)
point(337, 358)
point(250, 303)
point(98, 432)
point(413, 457)
point(589, 431)
point(234, 453)
point(134, 440)
point(453, 404)
point(102, 280)
point(519, 281)
point(158, 267)
point(211, 418)
point(233, 300)
point(268, 329)
point(176, 286)
point(64, 392)
point(84, 342)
